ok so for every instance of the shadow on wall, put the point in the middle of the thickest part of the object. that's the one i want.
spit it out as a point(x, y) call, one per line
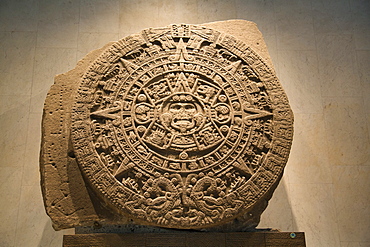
point(279, 214)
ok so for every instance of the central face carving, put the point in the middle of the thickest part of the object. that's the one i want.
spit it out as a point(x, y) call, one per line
point(182, 113)
point(183, 116)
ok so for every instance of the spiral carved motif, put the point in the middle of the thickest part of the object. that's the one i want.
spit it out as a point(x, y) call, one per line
point(181, 127)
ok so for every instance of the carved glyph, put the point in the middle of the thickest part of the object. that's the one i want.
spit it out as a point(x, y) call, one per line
point(181, 126)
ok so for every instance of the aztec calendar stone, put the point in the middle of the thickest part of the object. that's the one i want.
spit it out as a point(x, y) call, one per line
point(182, 126)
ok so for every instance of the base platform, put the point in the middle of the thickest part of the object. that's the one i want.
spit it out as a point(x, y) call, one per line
point(193, 239)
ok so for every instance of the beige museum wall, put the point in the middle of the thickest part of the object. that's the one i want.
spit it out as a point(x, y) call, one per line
point(321, 51)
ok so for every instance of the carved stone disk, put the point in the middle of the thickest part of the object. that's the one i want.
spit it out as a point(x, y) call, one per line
point(181, 127)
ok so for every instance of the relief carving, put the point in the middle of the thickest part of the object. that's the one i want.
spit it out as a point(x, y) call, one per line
point(182, 127)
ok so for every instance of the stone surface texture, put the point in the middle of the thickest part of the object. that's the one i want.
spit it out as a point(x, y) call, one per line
point(66, 197)
point(185, 126)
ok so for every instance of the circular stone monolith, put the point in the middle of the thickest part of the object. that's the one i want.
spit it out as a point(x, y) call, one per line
point(182, 127)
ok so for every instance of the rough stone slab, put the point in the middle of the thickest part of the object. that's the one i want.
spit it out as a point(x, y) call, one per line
point(246, 31)
point(69, 200)
point(237, 239)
